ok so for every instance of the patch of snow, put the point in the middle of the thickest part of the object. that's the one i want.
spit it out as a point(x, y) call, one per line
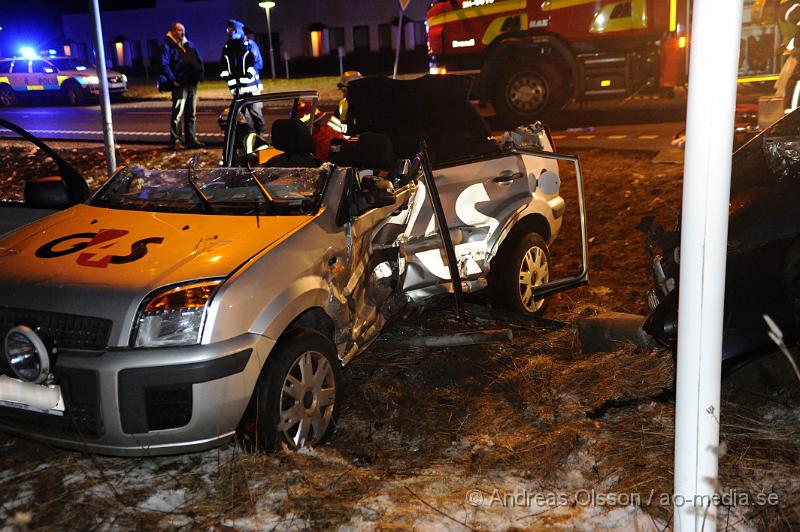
point(173, 522)
point(24, 495)
point(165, 501)
point(7, 476)
point(80, 476)
point(265, 519)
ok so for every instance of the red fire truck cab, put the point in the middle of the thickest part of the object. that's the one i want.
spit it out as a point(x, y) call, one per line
point(531, 57)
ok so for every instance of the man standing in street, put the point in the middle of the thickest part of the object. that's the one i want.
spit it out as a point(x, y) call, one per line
point(182, 66)
point(239, 71)
point(259, 59)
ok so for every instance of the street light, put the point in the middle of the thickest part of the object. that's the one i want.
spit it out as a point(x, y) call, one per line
point(267, 6)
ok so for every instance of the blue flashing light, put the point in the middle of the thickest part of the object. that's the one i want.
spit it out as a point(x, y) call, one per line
point(28, 53)
point(51, 51)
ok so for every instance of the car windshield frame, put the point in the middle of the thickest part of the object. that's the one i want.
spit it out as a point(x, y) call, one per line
point(73, 63)
point(230, 191)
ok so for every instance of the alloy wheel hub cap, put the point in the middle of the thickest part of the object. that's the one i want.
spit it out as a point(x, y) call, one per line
point(307, 400)
point(534, 271)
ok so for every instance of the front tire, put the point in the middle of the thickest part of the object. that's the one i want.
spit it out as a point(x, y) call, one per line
point(8, 98)
point(297, 396)
point(526, 91)
point(521, 264)
point(73, 93)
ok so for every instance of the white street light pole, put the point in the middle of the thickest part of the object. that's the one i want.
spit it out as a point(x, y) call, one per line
point(267, 6)
point(403, 6)
point(704, 235)
point(105, 100)
point(399, 44)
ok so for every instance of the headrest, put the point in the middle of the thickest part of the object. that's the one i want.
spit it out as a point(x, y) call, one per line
point(371, 150)
point(292, 136)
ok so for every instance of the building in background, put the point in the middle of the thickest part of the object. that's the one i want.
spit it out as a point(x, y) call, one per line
point(309, 32)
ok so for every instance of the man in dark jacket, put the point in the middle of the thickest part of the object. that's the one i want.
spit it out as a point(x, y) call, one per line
point(239, 71)
point(258, 61)
point(182, 66)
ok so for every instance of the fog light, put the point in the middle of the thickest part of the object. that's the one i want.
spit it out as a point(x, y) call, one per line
point(27, 354)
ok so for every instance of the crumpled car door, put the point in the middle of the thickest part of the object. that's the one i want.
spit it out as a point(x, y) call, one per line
point(481, 200)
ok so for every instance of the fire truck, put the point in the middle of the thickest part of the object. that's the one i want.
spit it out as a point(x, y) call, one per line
point(531, 57)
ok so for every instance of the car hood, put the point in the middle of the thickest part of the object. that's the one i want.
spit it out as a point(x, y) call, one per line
point(102, 262)
point(770, 159)
point(87, 72)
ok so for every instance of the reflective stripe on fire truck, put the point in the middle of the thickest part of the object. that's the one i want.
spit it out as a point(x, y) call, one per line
point(478, 11)
point(552, 5)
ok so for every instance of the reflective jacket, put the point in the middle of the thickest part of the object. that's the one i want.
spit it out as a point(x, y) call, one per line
point(238, 68)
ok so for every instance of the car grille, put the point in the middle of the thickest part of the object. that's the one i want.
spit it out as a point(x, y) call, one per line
point(65, 331)
point(78, 386)
point(81, 418)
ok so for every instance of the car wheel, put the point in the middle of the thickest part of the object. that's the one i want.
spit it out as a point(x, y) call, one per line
point(297, 397)
point(521, 264)
point(8, 97)
point(73, 93)
point(528, 91)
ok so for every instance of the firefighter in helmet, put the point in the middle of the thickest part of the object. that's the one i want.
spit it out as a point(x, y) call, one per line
point(341, 114)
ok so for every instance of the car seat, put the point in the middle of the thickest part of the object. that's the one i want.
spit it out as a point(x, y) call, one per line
point(293, 138)
point(371, 151)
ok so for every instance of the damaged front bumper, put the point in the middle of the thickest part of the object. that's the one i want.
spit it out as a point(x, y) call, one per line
point(154, 401)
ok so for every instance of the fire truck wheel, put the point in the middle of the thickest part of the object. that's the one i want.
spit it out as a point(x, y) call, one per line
point(528, 91)
point(522, 263)
point(73, 93)
point(7, 96)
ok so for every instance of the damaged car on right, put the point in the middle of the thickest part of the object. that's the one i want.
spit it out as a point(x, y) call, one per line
point(763, 264)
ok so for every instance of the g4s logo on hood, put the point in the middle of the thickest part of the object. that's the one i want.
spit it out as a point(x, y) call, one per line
point(94, 243)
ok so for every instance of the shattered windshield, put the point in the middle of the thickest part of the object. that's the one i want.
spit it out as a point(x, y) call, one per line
point(219, 191)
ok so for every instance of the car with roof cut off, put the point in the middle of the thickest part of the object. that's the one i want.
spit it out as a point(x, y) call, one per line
point(172, 308)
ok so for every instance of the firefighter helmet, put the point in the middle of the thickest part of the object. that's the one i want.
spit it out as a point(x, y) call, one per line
point(347, 77)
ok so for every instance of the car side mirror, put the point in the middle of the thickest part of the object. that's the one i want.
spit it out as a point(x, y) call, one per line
point(47, 193)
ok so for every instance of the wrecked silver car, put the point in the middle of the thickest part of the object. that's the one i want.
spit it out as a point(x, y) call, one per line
point(174, 307)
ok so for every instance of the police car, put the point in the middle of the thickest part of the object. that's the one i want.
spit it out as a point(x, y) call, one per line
point(74, 80)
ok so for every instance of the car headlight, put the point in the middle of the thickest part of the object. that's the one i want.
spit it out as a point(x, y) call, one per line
point(174, 316)
point(26, 354)
point(92, 80)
